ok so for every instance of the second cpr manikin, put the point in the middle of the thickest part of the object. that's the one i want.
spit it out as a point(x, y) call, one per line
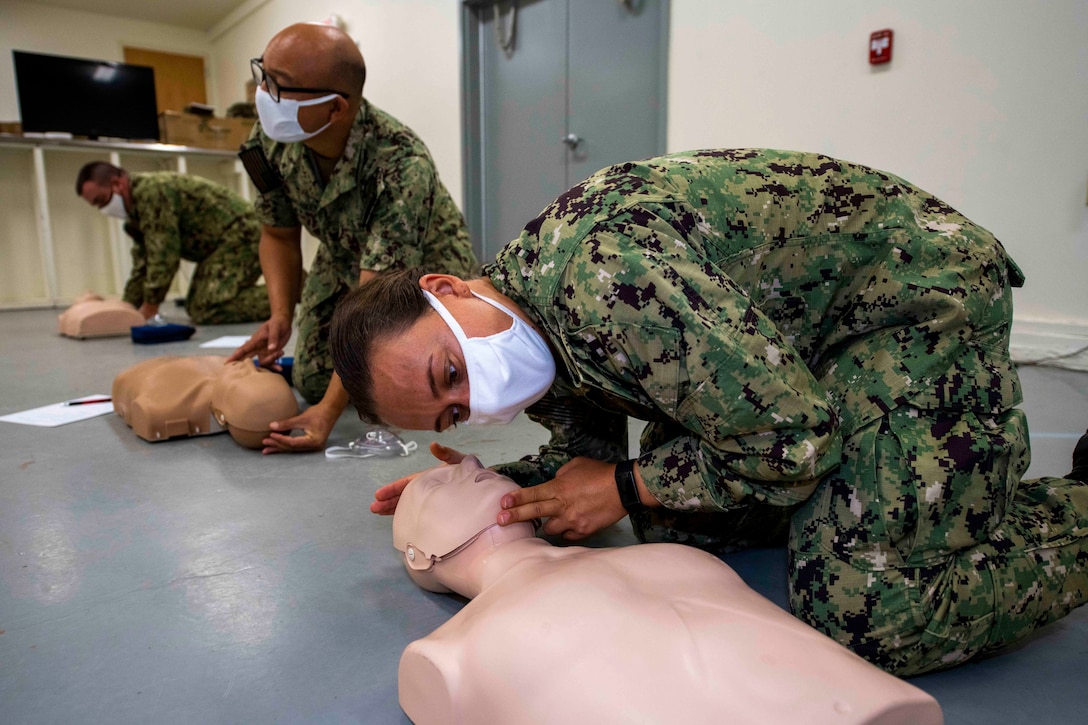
point(170, 397)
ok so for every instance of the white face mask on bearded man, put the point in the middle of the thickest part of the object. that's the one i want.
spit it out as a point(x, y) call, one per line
point(115, 207)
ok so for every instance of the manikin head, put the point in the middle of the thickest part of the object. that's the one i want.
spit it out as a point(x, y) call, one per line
point(105, 187)
point(446, 521)
point(246, 398)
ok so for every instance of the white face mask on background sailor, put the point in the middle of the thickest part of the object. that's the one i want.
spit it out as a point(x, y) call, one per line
point(507, 372)
point(280, 120)
point(115, 207)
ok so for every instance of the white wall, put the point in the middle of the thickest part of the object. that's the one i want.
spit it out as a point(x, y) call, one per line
point(985, 104)
point(82, 249)
point(412, 50)
point(45, 29)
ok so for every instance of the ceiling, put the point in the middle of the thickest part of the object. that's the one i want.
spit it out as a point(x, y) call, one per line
point(195, 14)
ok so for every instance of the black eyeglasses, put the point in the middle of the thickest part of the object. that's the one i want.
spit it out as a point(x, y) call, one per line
point(274, 89)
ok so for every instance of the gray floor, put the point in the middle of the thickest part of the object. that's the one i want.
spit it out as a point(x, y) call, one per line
point(194, 581)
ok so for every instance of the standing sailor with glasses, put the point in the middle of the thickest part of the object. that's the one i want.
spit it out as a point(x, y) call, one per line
point(324, 158)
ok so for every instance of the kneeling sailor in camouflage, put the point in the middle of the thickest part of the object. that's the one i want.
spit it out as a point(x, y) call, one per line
point(817, 347)
point(362, 183)
point(171, 217)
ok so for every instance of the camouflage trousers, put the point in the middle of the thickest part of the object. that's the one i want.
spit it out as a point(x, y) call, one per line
point(224, 287)
point(322, 290)
point(924, 548)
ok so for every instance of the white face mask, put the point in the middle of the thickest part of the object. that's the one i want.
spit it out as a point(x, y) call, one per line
point(507, 372)
point(280, 120)
point(115, 207)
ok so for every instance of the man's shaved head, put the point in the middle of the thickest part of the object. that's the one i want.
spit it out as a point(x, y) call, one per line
point(316, 56)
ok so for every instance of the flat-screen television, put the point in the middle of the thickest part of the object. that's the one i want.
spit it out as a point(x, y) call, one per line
point(92, 98)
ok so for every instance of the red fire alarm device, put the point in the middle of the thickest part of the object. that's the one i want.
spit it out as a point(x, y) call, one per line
point(880, 47)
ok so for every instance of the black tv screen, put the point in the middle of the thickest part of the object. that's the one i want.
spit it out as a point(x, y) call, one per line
point(84, 97)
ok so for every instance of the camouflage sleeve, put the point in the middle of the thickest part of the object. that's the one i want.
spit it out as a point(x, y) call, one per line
point(134, 287)
point(748, 419)
point(160, 227)
point(274, 209)
point(735, 413)
point(399, 216)
point(577, 429)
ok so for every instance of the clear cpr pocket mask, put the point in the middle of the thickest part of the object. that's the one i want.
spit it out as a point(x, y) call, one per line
point(375, 443)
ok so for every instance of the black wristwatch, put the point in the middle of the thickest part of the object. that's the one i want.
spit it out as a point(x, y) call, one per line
point(628, 488)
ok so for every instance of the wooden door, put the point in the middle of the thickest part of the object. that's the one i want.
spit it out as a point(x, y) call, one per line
point(179, 79)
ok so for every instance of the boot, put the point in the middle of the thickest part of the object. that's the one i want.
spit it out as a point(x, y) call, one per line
point(1080, 460)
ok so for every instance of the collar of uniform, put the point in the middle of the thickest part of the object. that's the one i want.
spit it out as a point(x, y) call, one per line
point(351, 170)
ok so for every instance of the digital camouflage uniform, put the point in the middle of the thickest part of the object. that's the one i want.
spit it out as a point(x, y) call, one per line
point(383, 208)
point(175, 217)
point(809, 337)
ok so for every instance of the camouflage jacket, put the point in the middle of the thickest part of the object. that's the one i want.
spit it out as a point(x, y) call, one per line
point(175, 217)
point(383, 208)
point(755, 307)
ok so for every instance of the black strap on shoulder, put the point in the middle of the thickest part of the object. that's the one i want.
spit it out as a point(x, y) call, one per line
point(264, 176)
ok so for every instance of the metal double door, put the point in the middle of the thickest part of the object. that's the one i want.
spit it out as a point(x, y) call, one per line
point(555, 90)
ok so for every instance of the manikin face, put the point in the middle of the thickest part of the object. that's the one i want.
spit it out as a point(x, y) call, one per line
point(245, 399)
point(442, 509)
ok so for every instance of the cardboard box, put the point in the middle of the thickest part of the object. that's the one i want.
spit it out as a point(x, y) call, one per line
point(187, 129)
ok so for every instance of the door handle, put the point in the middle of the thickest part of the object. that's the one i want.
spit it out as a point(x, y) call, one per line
point(572, 140)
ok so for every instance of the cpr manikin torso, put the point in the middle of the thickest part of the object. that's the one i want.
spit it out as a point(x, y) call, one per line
point(653, 633)
point(169, 397)
point(92, 316)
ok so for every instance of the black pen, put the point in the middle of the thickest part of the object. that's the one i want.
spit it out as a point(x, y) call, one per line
point(88, 402)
